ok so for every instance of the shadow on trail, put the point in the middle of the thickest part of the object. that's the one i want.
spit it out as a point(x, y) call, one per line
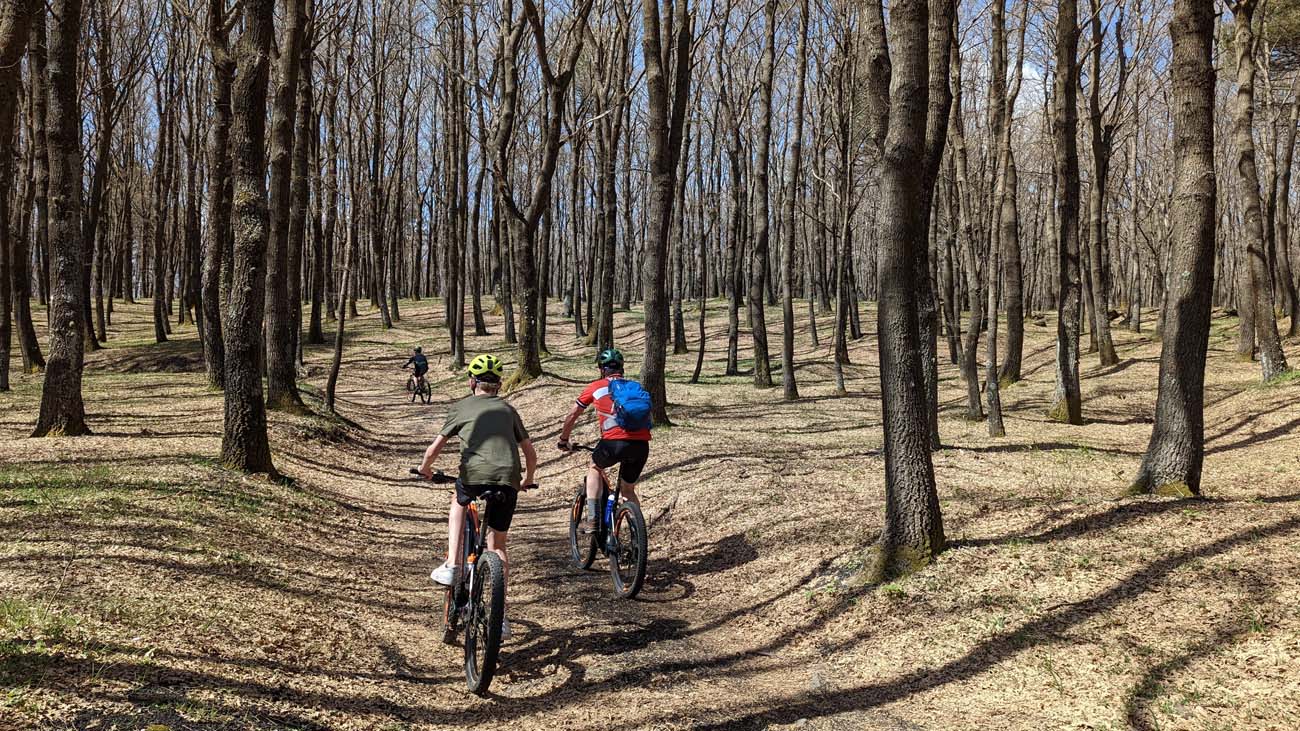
point(1115, 517)
point(999, 649)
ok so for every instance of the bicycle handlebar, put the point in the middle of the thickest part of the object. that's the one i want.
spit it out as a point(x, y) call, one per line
point(570, 448)
point(441, 478)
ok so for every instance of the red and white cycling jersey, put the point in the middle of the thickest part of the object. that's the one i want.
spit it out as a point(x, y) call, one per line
point(598, 393)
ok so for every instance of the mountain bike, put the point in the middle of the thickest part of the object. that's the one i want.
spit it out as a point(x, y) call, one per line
point(477, 599)
point(620, 535)
point(418, 387)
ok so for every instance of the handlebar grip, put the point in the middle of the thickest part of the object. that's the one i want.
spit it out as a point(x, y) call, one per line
point(533, 486)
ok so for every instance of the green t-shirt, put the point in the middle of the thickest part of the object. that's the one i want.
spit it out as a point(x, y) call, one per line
point(490, 432)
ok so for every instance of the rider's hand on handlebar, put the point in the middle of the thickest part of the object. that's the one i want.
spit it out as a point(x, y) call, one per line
point(425, 472)
point(564, 446)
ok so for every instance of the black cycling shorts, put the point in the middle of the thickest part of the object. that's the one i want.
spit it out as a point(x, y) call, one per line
point(500, 513)
point(629, 454)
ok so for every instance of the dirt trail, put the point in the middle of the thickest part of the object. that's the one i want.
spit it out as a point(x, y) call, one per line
point(142, 584)
point(577, 652)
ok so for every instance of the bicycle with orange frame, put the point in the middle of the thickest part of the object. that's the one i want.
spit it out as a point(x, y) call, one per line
point(476, 601)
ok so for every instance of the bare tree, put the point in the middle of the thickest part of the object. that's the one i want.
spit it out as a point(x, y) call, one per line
point(1259, 289)
point(1172, 464)
point(244, 444)
point(913, 530)
point(1067, 403)
point(62, 410)
point(666, 48)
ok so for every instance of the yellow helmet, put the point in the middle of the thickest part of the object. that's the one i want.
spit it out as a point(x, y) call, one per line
point(487, 368)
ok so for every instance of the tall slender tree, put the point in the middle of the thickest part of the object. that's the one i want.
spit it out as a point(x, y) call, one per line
point(244, 443)
point(62, 409)
point(1172, 464)
point(789, 385)
point(666, 48)
point(913, 530)
point(1258, 284)
point(280, 291)
point(1067, 404)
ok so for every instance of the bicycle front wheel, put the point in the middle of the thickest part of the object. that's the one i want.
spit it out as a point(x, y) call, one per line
point(483, 627)
point(627, 556)
point(582, 547)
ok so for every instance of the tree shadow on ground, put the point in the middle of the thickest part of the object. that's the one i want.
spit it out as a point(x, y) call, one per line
point(1277, 432)
point(1046, 447)
point(1117, 516)
point(994, 651)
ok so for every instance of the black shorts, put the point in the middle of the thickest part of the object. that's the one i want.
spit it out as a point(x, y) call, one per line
point(500, 513)
point(630, 456)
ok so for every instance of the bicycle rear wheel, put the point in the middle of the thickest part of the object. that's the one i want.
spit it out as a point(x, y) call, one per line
point(582, 548)
point(483, 625)
point(627, 556)
point(426, 392)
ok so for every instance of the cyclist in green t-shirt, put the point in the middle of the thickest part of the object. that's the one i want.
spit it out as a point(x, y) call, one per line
point(491, 437)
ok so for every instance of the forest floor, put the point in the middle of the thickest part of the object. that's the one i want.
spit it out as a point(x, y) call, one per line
point(142, 586)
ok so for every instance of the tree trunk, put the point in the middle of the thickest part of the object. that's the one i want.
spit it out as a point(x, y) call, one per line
point(244, 444)
point(218, 203)
point(790, 388)
point(62, 410)
point(1258, 295)
point(913, 530)
point(667, 88)
point(14, 32)
point(281, 289)
point(1172, 464)
point(1067, 403)
point(1286, 283)
point(758, 267)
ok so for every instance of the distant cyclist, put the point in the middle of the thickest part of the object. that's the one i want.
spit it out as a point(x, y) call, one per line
point(491, 437)
point(621, 443)
point(421, 364)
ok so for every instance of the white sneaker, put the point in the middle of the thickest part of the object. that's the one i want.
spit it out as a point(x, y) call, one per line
point(505, 629)
point(444, 574)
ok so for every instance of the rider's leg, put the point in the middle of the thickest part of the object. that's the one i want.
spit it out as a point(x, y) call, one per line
point(455, 531)
point(628, 490)
point(595, 478)
point(496, 541)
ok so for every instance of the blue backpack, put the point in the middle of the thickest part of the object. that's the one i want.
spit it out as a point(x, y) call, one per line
point(631, 404)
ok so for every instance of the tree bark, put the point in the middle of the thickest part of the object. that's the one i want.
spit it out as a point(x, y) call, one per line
point(1067, 405)
point(218, 194)
point(758, 266)
point(1172, 464)
point(15, 28)
point(913, 530)
point(667, 87)
point(244, 444)
point(281, 290)
point(62, 409)
point(790, 388)
point(1258, 295)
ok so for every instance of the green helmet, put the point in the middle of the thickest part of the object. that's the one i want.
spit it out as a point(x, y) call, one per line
point(487, 368)
point(610, 358)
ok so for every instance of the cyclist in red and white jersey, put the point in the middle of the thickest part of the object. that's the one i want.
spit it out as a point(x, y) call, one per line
point(617, 446)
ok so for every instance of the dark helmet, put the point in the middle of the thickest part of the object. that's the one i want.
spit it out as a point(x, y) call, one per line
point(418, 349)
point(610, 359)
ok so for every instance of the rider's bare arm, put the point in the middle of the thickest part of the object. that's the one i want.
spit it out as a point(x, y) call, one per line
point(530, 461)
point(569, 421)
point(431, 454)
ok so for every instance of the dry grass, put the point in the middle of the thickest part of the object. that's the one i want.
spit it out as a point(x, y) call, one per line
point(142, 584)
